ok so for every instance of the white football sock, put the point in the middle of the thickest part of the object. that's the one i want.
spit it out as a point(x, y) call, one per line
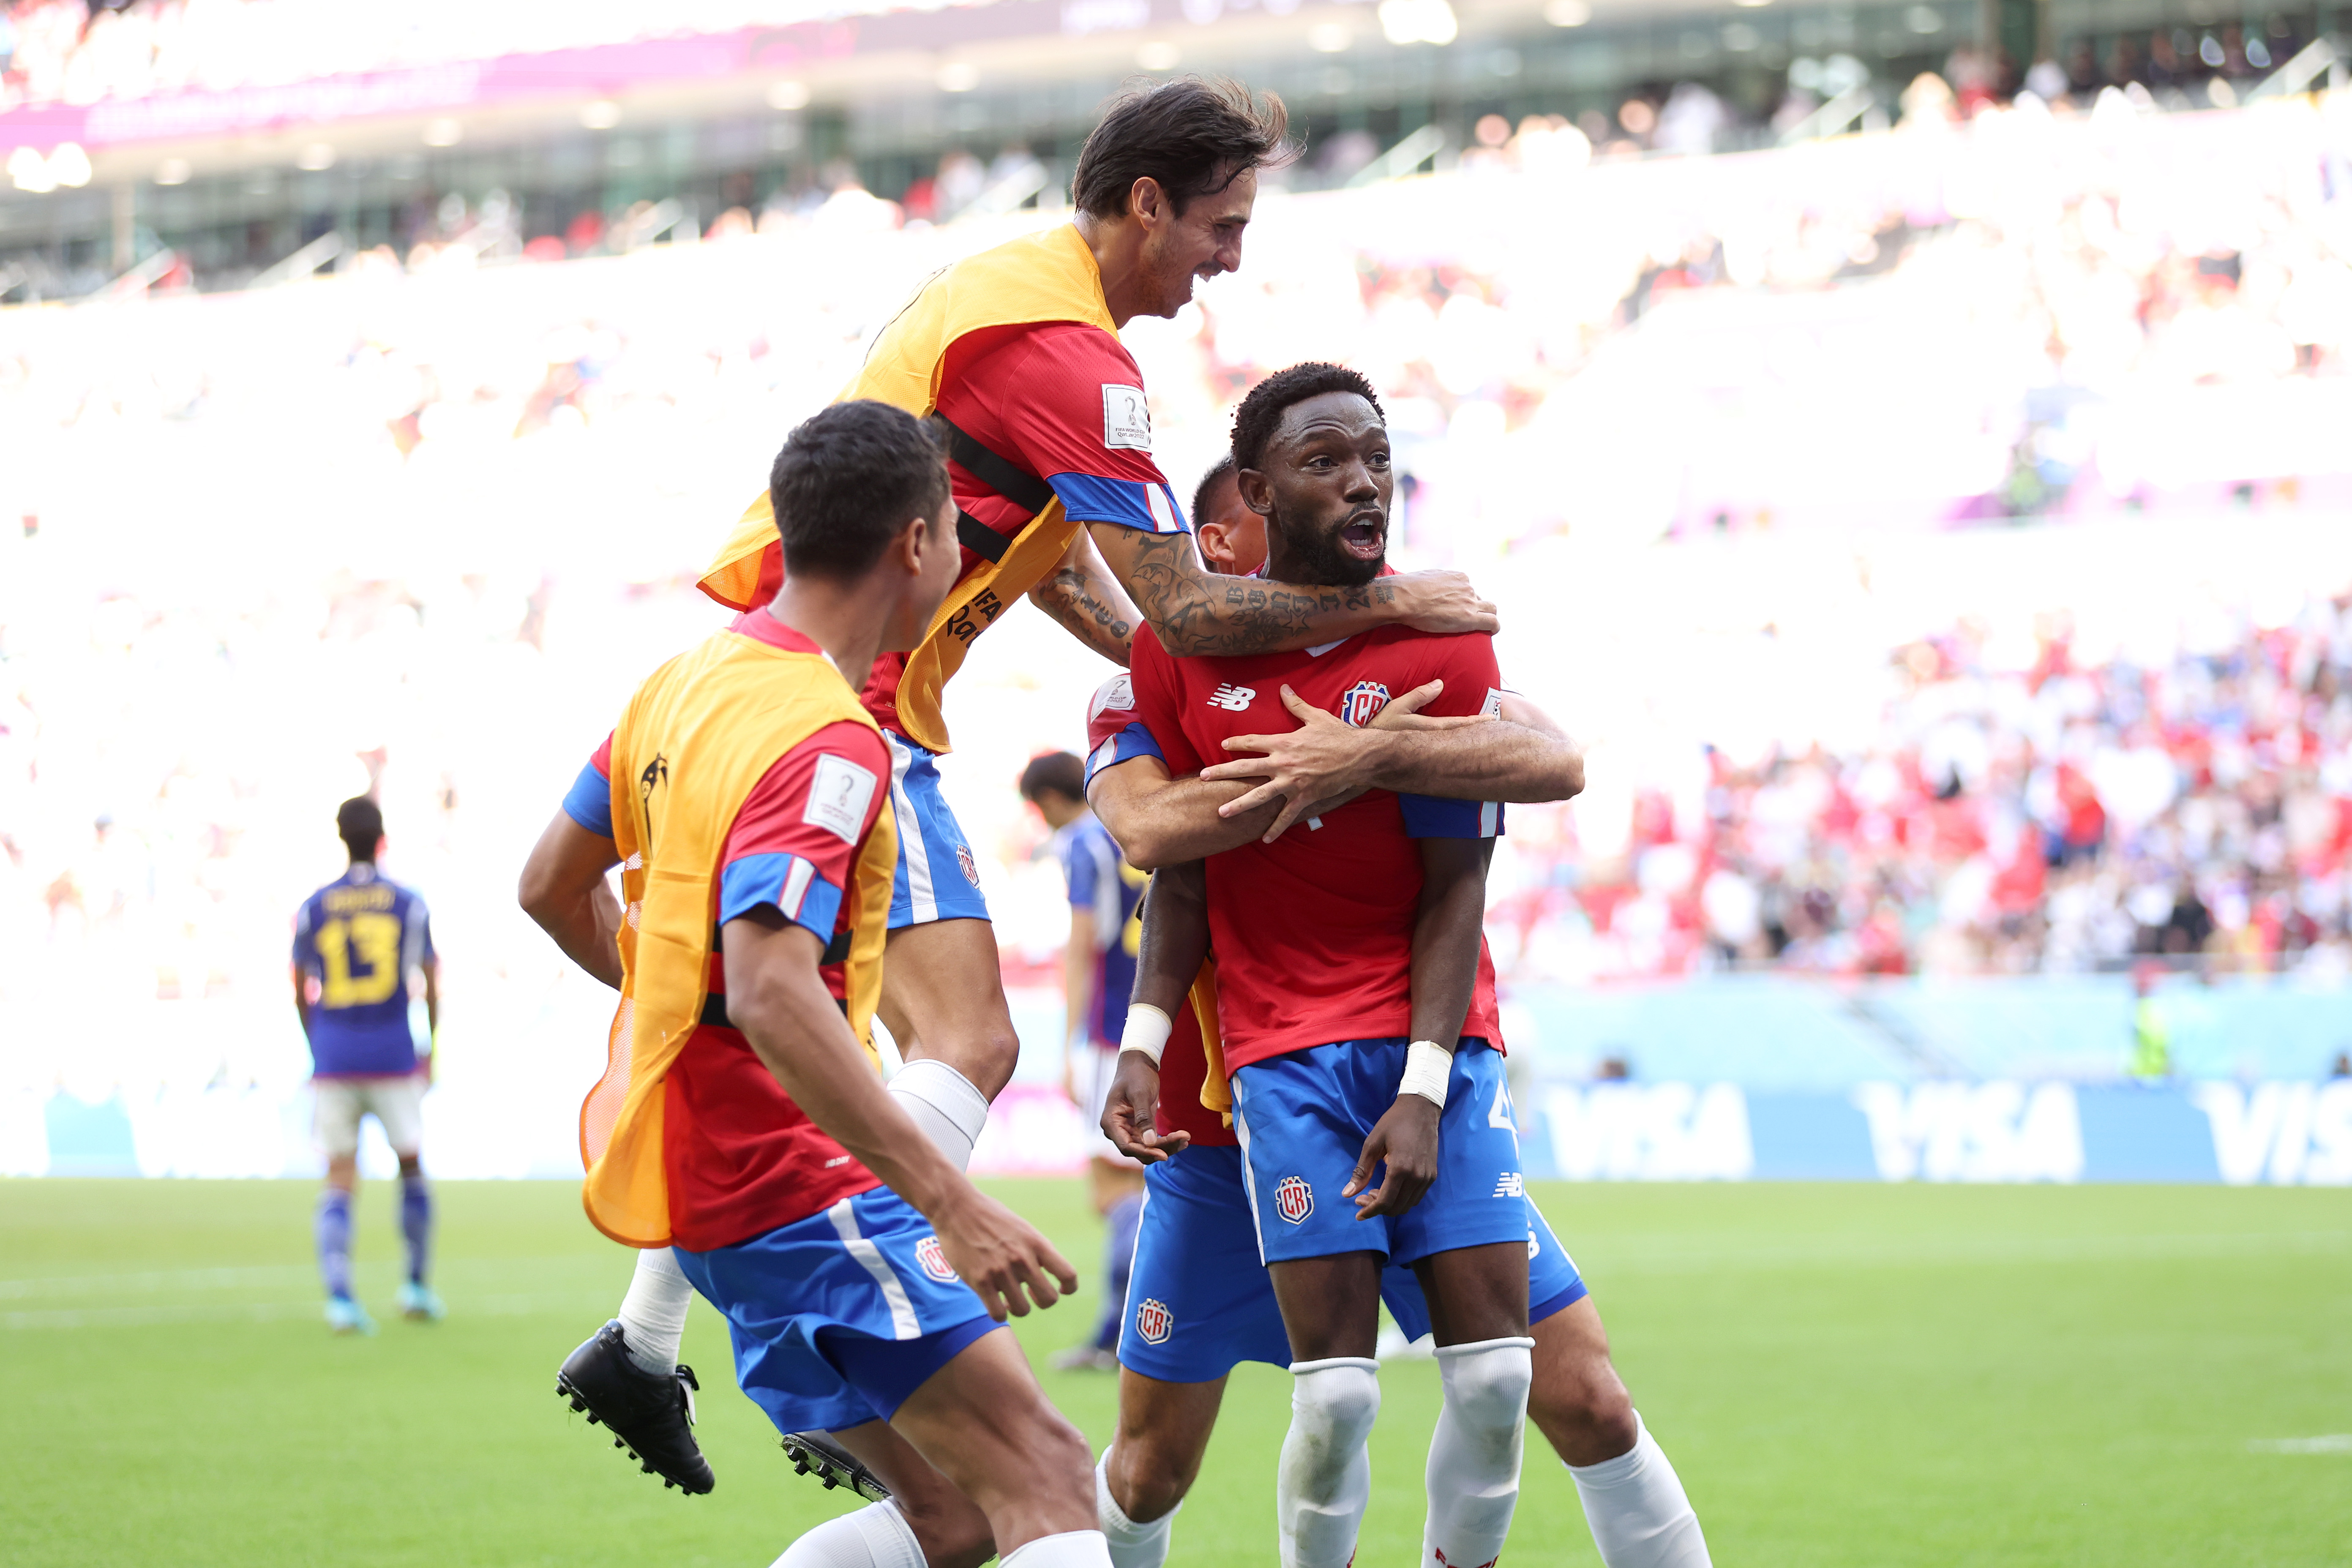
point(1132, 1545)
point(1071, 1549)
point(1639, 1514)
point(653, 1314)
point(1325, 1477)
point(1474, 1457)
point(947, 1106)
point(876, 1537)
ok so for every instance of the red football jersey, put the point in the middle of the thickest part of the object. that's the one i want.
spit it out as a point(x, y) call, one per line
point(1314, 932)
point(1061, 400)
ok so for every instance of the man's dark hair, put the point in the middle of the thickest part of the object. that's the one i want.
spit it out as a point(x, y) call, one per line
point(1193, 136)
point(1261, 410)
point(847, 479)
point(1057, 771)
point(1224, 468)
point(359, 823)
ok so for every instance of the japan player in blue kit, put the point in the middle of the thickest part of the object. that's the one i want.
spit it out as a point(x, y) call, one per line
point(1193, 1323)
point(357, 940)
point(1098, 977)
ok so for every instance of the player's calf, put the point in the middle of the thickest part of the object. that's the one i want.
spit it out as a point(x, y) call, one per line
point(1577, 1400)
point(1633, 1500)
point(1473, 1457)
point(1325, 1476)
point(983, 1424)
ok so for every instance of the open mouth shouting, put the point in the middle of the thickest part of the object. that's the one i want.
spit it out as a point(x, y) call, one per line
point(1365, 535)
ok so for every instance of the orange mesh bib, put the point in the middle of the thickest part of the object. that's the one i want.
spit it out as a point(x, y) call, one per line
point(689, 749)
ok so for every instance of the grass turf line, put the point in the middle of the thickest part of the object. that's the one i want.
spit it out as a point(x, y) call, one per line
point(1843, 1375)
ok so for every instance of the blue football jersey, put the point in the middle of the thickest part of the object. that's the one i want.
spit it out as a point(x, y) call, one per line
point(1101, 881)
point(360, 936)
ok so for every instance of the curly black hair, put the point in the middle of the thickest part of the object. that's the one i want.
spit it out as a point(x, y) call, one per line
point(1261, 410)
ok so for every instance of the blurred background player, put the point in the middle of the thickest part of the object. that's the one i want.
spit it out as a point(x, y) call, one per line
point(1098, 977)
point(356, 943)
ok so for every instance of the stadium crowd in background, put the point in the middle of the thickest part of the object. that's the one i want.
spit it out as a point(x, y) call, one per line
point(2062, 818)
point(487, 422)
point(83, 51)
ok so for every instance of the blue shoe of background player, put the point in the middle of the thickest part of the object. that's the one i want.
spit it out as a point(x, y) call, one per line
point(418, 1304)
point(346, 1316)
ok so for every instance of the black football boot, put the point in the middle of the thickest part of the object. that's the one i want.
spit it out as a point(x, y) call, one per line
point(814, 1454)
point(649, 1415)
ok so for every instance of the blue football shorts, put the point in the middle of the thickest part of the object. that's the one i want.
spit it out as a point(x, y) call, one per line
point(1199, 1304)
point(1302, 1119)
point(837, 1318)
point(937, 879)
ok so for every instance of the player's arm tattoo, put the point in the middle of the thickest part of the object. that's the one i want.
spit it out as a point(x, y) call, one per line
point(1196, 611)
point(1087, 600)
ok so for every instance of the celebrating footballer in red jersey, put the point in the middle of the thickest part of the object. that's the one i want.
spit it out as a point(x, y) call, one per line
point(1315, 467)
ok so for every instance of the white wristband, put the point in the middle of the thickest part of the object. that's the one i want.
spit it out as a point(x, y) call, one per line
point(1427, 1067)
point(1146, 1031)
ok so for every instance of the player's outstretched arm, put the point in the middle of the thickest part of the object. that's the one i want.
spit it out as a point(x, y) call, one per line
point(1158, 821)
point(1082, 596)
point(775, 995)
point(1445, 939)
point(1175, 940)
point(1197, 611)
point(563, 888)
point(1521, 756)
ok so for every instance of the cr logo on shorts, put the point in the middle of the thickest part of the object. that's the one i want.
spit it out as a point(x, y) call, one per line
point(964, 859)
point(1154, 1321)
point(1362, 703)
point(1294, 1200)
point(934, 1259)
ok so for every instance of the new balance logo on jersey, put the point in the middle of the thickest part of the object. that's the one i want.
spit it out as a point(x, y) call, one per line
point(1233, 698)
point(1510, 1184)
point(934, 1259)
point(1154, 1321)
point(1294, 1200)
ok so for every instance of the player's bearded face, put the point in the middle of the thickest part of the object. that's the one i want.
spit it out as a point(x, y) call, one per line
point(1328, 470)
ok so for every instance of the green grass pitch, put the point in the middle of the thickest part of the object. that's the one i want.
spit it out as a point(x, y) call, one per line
point(1843, 1375)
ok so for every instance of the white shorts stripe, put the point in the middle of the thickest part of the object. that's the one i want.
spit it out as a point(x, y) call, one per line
point(1249, 1186)
point(914, 850)
point(1490, 819)
point(902, 1311)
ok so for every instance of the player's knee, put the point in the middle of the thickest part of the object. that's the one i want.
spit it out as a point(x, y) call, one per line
point(1150, 1478)
point(1335, 1400)
point(1062, 1466)
point(1486, 1383)
point(1585, 1410)
point(411, 1167)
point(950, 1529)
point(984, 1050)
